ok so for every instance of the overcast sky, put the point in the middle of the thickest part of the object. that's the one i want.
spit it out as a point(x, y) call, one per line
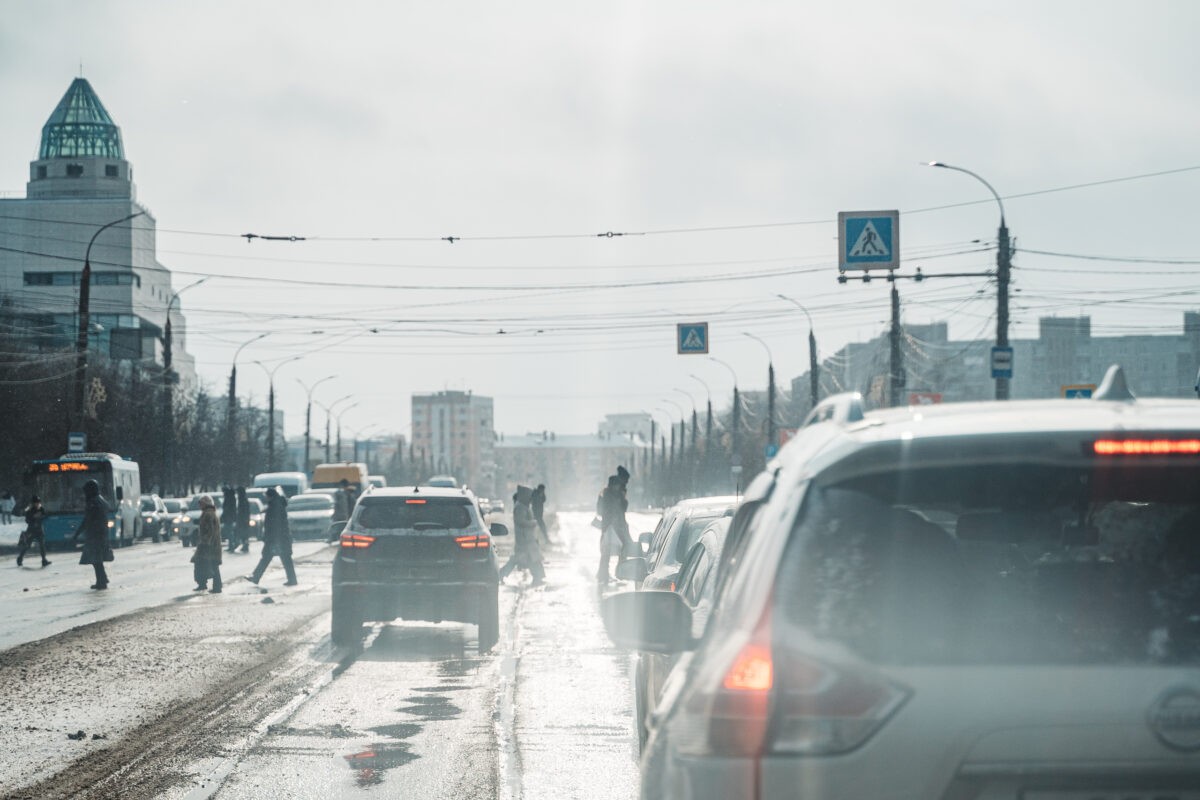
point(526, 128)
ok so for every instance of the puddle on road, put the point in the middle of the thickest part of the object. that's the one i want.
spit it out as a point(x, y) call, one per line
point(403, 730)
point(430, 707)
point(371, 764)
point(335, 731)
point(447, 687)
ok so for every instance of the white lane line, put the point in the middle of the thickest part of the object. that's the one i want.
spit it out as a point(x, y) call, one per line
point(511, 783)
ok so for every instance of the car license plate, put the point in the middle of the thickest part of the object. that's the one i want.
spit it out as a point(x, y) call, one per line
point(1114, 794)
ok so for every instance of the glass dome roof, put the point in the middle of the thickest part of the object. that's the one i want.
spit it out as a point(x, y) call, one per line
point(80, 127)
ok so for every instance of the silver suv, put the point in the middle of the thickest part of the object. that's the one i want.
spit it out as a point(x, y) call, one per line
point(993, 600)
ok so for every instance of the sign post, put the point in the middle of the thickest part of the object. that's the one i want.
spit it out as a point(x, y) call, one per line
point(691, 338)
point(868, 240)
point(1002, 362)
point(76, 442)
point(1078, 391)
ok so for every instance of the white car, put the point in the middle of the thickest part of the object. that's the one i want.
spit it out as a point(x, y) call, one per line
point(310, 515)
point(986, 600)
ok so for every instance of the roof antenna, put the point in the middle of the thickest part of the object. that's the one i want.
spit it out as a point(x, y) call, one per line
point(1114, 386)
point(81, 67)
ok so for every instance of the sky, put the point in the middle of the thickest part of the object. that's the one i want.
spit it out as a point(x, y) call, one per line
point(719, 139)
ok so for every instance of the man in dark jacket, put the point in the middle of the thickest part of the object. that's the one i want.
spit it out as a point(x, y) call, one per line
point(277, 538)
point(35, 514)
point(94, 527)
point(229, 515)
point(538, 506)
point(243, 522)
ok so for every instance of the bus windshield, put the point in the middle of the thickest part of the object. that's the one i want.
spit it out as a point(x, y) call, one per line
point(62, 492)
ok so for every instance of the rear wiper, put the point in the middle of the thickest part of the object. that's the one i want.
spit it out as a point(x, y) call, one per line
point(429, 526)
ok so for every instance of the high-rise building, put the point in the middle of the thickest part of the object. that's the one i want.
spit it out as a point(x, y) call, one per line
point(453, 434)
point(80, 182)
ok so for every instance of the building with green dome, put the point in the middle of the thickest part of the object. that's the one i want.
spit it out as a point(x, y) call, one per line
point(81, 181)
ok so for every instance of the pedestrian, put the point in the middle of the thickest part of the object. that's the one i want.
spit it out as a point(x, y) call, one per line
point(94, 526)
point(35, 514)
point(343, 502)
point(7, 504)
point(610, 507)
point(526, 553)
point(277, 538)
point(538, 506)
point(228, 517)
point(206, 561)
point(243, 520)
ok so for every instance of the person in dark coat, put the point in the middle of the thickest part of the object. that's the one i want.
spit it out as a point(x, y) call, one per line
point(207, 558)
point(35, 514)
point(229, 512)
point(94, 527)
point(610, 507)
point(526, 553)
point(343, 502)
point(277, 538)
point(242, 535)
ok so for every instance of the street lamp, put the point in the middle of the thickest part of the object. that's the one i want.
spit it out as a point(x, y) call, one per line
point(1003, 272)
point(231, 414)
point(328, 416)
point(339, 428)
point(770, 389)
point(271, 407)
point(81, 341)
point(736, 411)
point(168, 395)
point(308, 415)
point(695, 418)
point(814, 367)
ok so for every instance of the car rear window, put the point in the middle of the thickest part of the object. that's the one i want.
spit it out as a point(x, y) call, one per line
point(316, 502)
point(403, 513)
point(1002, 564)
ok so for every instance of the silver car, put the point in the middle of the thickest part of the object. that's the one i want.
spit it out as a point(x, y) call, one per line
point(991, 600)
point(310, 515)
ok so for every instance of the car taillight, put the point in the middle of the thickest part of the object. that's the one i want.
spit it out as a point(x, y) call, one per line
point(356, 540)
point(473, 542)
point(1146, 447)
point(824, 709)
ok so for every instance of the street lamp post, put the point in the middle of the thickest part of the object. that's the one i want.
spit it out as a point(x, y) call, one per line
point(328, 418)
point(231, 414)
point(308, 416)
point(81, 341)
point(271, 407)
point(708, 422)
point(1003, 274)
point(736, 415)
point(168, 396)
point(770, 390)
point(695, 419)
point(814, 367)
point(339, 428)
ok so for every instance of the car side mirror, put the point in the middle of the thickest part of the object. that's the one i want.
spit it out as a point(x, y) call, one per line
point(654, 622)
point(633, 569)
point(498, 529)
point(335, 530)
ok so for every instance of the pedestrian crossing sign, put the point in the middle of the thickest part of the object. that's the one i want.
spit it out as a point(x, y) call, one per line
point(691, 338)
point(868, 240)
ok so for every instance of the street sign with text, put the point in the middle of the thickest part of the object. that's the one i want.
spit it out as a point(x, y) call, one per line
point(76, 442)
point(1002, 362)
point(868, 240)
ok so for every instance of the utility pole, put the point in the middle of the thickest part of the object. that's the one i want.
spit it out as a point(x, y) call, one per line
point(1003, 272)
point(896, 368)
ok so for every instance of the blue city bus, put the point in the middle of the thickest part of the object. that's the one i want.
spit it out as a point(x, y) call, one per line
point(59, 484)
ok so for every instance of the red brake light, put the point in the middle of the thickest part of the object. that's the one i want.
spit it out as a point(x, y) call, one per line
point(414, 502)
point(356, 540)
point(752, 670)
point(473, 542)
point(1146, 447)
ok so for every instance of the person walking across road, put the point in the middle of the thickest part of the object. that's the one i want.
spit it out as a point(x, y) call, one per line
point(229, 512)
point(206, 561)
point(538, 506)
point(277, 538)
point(526, 553)
point(610, 507)
point(242, 528)
point(94, 527)
point(7, 504)
point(35, 514)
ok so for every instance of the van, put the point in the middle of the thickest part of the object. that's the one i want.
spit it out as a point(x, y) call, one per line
point(377, 481)
point(330, 476)
point(292, 483)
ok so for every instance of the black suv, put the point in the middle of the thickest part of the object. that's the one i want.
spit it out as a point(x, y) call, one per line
point(419, 554)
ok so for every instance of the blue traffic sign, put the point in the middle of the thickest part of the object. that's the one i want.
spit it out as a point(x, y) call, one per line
point(691, 338)
point(868, 240)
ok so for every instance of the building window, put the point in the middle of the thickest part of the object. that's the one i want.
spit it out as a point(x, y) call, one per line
point(41, 171)
point(74, 170)
point(39, 278)
point(110, 171)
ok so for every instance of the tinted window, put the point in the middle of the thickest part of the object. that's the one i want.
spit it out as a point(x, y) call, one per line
point(1003, 564)
point(147, 505)
point(399, 514)
point(305, 502)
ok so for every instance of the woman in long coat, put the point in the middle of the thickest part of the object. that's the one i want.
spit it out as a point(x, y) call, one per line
point(206, 560)
point(94, 527)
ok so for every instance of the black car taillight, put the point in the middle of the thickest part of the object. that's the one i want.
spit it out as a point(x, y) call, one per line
point(478, 542)
point(356, 540)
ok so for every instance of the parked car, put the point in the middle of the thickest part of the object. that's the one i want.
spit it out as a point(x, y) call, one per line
point(677, 530)
point(419, 554)
point(310, 514)
point(983, 600)
point(189, 523)
point(154, 517)
point(696, 585)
